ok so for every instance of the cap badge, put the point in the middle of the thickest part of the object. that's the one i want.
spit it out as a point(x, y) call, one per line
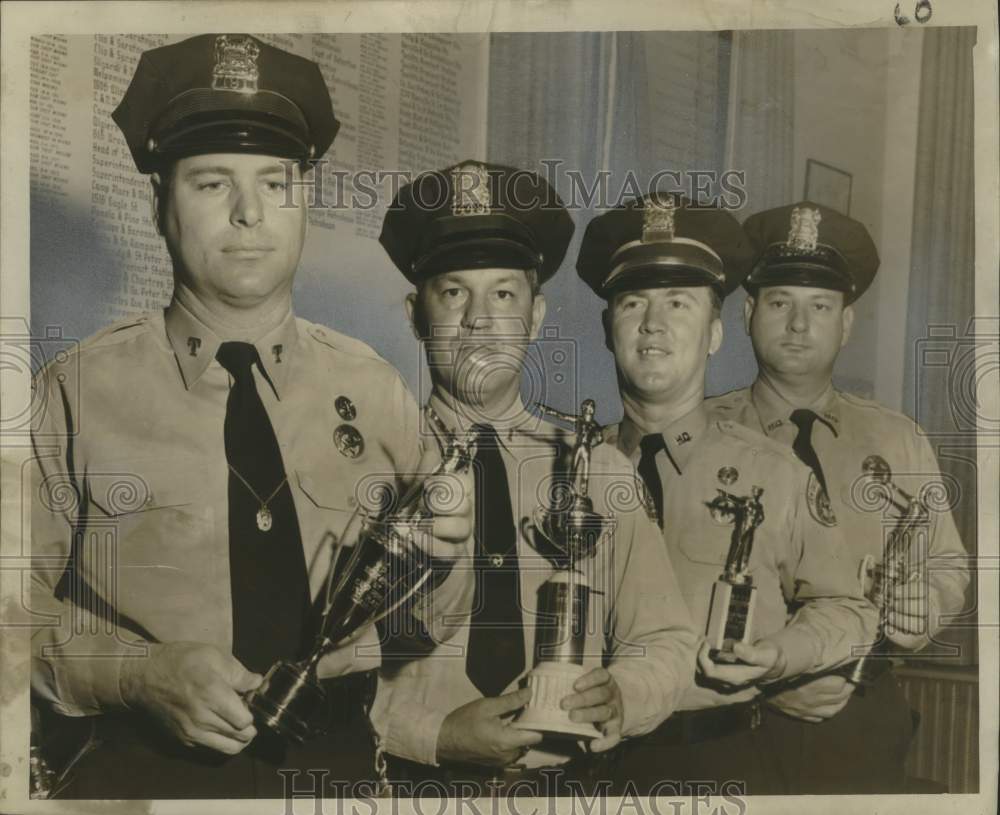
point(803, 234)
point(470, 184)
point(235, 64)
point(658, 220)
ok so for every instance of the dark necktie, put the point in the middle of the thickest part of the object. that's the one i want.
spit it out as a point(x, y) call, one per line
point(270, 587)
point(496, 637)
point(650, 446)
point(802, 446)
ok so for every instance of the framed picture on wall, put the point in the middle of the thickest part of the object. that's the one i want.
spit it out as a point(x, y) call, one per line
point(828, 185)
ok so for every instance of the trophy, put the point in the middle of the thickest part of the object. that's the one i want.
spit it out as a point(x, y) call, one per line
point(883, 578)
point(384, 568)
point(573, 531)
point(733, 595)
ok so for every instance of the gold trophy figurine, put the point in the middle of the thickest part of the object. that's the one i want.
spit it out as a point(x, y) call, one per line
point(734, 594)
point(574, 531)
point(365, 583)
point(882, 579)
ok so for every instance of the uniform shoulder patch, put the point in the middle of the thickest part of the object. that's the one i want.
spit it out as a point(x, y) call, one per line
point(819, 502)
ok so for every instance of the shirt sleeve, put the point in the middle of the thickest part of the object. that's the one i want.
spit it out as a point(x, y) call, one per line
point(820, 581)
point(408, 727)
point(947, 563)
point(77, 653)
point(652, 657)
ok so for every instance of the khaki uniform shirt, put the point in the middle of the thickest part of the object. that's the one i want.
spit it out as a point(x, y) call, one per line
point(849, 430)
point(639, 627)
point(130, 463)
point(795, 559)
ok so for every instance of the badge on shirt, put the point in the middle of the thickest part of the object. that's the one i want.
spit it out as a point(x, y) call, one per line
point(819, 502)
point(349, 441)
point(345, 408)
point(728, 475)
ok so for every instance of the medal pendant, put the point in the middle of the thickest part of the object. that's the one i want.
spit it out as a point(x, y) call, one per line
point(263, 519)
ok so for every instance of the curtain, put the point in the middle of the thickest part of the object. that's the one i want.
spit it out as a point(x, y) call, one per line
point(761, 113)
point(624, 103)
point(939, 391)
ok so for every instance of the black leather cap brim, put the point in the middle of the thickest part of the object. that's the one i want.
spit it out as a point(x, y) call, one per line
point(265, 136)
point(658, 276)
point(475, 253)
point(801, 273)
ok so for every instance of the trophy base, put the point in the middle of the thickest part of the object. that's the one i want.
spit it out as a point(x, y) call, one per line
point(550, 683)
point(289, 701)
point(866, 671)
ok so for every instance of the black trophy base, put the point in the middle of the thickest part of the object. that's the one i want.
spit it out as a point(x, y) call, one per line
point(730, 620)
point(290, 701)
point(866, 671)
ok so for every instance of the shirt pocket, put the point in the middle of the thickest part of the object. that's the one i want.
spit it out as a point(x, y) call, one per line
point(151, 530)
point(705, 541)
point(326, 503)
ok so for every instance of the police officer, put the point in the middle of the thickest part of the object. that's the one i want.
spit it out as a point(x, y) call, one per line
point(189, 461)
point(811, 264)
point(664, 266)
point(477, 241)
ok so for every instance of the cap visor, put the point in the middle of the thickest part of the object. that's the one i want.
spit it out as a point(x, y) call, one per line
point(482, 253)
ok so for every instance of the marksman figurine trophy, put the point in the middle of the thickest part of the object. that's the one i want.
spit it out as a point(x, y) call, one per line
point(571, 530)
point(730, 619)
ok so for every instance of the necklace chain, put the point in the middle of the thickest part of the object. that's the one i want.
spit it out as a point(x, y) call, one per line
point(264, 517)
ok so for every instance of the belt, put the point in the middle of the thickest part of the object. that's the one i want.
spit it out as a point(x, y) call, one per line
point(693, 726)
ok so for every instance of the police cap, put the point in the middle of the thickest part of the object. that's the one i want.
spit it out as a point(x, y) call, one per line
point(476, 215)
point(807, 244)
point(225, 93)
point(663, 240)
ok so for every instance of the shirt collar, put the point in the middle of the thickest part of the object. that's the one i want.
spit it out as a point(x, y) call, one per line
point(195, 344)
point(459, 418)
point(520, 432)
point(680, 437)
point(774, 409)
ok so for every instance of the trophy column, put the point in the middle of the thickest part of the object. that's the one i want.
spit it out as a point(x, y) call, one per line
point(730, 619)
point(559, 648)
